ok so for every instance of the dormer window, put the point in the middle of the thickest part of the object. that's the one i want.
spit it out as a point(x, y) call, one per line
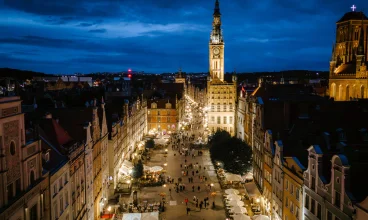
point(153, 105)
point(47, 157)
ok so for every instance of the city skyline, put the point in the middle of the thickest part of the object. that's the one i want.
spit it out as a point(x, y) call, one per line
point(160, 36)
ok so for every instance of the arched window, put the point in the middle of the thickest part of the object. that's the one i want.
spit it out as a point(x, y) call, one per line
point(168, 105)
point(153, 105)
point(12, 148)
point(333, 90)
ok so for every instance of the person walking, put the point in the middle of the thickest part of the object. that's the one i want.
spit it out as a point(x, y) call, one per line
point(188, 210)
point(199, 188)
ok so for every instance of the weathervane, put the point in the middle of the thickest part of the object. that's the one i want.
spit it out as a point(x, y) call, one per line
point(353, 7)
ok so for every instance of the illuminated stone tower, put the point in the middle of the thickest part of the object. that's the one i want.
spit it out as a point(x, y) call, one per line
point(221, 95)
point(348, 71)
point(216, 46)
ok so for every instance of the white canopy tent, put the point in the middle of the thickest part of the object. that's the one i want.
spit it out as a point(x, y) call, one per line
point(241, 217)
point(233, 197)
point(239, 209)
point(235, 203)
point(141, 216)
point(260, 217)
point(156, 169)
point(233, 177)
point(232, 191)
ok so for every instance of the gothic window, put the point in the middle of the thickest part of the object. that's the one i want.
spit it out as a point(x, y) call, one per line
point(153, 105)
point(218, 120)
point(168, 105)
point(12, 148)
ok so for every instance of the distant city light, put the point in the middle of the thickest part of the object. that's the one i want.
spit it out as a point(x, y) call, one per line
point(129, 70)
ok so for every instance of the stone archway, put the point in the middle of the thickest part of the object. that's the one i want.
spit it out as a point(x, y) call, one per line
point(347, 93)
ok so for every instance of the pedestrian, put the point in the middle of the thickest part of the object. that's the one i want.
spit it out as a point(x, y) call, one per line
point(199, 188)
point(205, 203)
point(188, 210)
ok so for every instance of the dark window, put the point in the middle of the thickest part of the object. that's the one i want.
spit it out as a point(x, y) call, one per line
point(12, 148)
point(313, 206)
point(313, 186)
point(32, 177)
point(306, 202)
point(18, 187)
point(10, 191)
point(337, 199)
point(33, 213)
point(329, 215)
point(319, 211)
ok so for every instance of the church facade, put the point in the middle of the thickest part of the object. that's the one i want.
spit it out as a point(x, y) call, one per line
point(221, 95)
point(348, 65)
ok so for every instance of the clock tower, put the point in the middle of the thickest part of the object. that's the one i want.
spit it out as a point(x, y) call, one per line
point(216, 46)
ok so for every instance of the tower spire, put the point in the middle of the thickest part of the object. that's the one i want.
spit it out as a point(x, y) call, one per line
point(217, 8)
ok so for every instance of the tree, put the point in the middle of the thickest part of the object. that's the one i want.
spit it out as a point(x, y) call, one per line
point(150, 144)
point(138, 170)
point(234, 153)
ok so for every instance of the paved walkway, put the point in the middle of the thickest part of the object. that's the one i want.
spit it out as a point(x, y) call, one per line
point(179, 211)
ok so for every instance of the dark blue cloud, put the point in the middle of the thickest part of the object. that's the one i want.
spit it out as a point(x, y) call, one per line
point(70, 36)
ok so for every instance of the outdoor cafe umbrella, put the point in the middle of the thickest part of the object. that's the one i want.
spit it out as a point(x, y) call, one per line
point(156, 169)
point(260, 217)
point(241, 217)
point(235, 203)
point(233, 197)
point(238, 209)
point(232, 191)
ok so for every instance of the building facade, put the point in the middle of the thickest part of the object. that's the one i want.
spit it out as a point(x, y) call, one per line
point(277, 182)
point(163, 116)
point(240, 115)
point(293, 189)
point(22, 183)
point(268, 153)
point(221, 95)
point(348, 65)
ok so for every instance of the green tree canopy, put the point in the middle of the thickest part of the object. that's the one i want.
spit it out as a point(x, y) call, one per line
point(234, 153)
point(138, 170)
point(150, 143)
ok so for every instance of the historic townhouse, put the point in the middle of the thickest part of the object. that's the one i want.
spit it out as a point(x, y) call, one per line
point(163, 115)
point(293, 189)
point(24, 189)
point(104, 153)
point(240, 115)
point(268, 153)
point(277, 182)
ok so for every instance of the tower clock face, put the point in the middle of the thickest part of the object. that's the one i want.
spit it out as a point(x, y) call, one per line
point(216, 51)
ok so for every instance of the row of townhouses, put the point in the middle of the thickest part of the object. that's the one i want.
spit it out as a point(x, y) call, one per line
point(308, 152)
point(65, 163)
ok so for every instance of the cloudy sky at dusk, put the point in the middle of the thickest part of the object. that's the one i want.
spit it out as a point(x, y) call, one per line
point(69, 36)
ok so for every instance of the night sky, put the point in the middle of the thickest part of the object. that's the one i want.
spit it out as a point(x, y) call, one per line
point(68, 36)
